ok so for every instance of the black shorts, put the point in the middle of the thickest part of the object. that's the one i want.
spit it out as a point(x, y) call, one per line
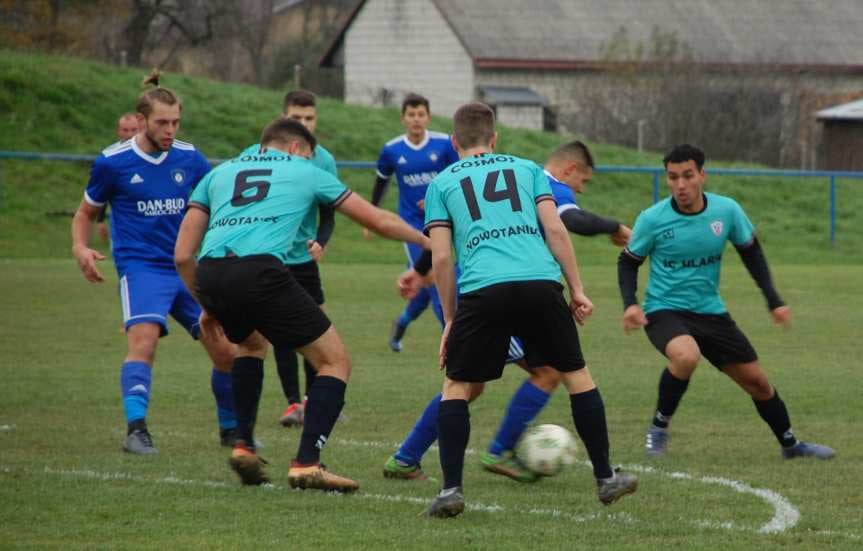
point(259, 293)
point(534, 311)
point(718, 337)
point(309, 278)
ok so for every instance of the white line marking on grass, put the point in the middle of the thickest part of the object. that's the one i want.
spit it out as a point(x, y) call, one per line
point(7, 428)
point(785, 515)
point(619, 517)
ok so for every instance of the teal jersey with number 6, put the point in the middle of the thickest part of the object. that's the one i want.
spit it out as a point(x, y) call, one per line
point(489, 201)
point(299, 253)
point(685, 252)
point(257, 203)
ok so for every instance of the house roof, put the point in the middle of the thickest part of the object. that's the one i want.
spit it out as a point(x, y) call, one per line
point(511, 95)
point(561, 34)
point(852, 111)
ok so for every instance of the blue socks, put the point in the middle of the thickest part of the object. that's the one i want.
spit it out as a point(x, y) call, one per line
point(223, 391)
point(422, 436)
point(135, 380)
point(525, 405)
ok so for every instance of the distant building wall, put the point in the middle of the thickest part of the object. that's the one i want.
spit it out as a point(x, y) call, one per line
point(399, 46)
point(520, 116)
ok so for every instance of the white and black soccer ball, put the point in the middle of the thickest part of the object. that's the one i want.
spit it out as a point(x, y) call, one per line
point(547, 449)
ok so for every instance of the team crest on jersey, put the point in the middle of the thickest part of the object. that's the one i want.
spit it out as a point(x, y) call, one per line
point(178, 176)
point(716, 226)
point(433, 156)
point(402, 160)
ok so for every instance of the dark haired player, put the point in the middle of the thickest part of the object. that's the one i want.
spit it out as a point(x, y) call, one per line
point(415, 158)
point(312, 238)
point(147, 181)
point(685, 236)
point(489, 207)
point(244, 217)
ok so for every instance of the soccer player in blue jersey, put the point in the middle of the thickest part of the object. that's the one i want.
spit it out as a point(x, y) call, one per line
point(490, 207)
point(683, 314)
point(568, 169)
point(415, 158)
point(147, 181)
point(312, 238)
point(244, 217)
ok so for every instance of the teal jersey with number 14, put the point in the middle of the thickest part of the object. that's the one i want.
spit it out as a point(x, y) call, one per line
point(489, 201)
point(257, 203)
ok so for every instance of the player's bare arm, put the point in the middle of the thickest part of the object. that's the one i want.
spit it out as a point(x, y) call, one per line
point(382, 222)
point(86, 257)
point(443, 267)
point(557, 239)
point(189, 239)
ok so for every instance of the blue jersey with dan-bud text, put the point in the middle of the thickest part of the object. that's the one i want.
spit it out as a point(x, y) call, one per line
point(148, 195)
point(415, 166)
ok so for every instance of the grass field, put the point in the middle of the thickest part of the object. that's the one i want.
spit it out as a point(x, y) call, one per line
point(64, 483)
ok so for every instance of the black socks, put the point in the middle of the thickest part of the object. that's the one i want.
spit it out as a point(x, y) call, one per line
point(588, 413)
point(453, 434)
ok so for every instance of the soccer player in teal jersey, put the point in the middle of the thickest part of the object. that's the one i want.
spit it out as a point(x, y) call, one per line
point(684, 316)
point(312, 238)
point(490, 207)
point(244, 216)
point(569, 168)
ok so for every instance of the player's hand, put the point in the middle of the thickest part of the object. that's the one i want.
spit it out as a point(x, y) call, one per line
point(211, 329)
point(87, 259)
point(580, 306)
point(102, 229)
point(781, 316)
point(442, 350)
point(315, 249)
point(621, 236)
point(409, 284)
point(367, 234)
point(633, 319)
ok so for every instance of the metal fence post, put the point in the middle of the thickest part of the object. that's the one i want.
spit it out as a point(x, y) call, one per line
point(655, 187)
point(832, 209)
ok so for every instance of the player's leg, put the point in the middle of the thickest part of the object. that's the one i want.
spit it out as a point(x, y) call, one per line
point(523, 408)
point(414, 307)
point(146, 298)
point(136, 385)
point(406, 462)
point(325, 402)
point(669, 332)
point(186, 311)
point(550, 338)
point(730, 349)
point(476, 351)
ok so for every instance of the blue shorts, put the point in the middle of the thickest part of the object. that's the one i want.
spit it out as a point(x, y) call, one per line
point(148, 296)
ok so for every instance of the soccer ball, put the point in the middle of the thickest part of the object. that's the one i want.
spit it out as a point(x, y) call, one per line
point(547, 449)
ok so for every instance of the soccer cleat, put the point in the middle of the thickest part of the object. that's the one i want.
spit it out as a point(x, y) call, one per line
point(248, 465)
point(396, 334)
point(139, 442)
point(293, 415)
point(316, 477)
point(394, 468)
point(656, 442)
point(611, 489)
point(507, 465)
point(805, 449)
point(447, 504)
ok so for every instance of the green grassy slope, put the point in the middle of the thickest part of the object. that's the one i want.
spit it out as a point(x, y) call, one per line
point(60, 104)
